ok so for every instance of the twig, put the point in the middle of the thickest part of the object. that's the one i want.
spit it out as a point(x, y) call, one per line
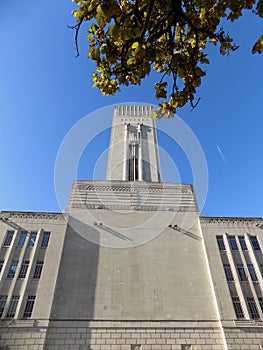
point(76, 27)
point(149, 12)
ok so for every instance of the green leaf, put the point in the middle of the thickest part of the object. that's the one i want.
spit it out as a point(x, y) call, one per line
point(131, 61)
point(258, 46)
point(94, 53)
point(89, 37)
point(101, 20)
point(135, 45)
point(174, 51)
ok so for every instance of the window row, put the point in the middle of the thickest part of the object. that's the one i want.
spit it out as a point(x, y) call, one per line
point(23, 269)
point(241, 272)
point(13, 306)
point(22, 238)
point(252, 307)
point(233, 242)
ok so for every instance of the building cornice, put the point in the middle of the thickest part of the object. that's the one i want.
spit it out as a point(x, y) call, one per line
point(129, 195)
point(235, 221)
point(31, 217)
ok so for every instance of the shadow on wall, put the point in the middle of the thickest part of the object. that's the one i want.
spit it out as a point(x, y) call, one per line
point(75, 287)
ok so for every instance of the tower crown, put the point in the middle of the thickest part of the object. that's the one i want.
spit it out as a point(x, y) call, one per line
point(133, 154)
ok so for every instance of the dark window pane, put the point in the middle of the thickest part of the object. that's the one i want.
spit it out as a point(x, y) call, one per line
point(252, 272)
point(13, 268)
point(254, 242)
point(12, 307)
point(252, 308)
point(1, 264)
point(220, 242)
point(29, 306)
point(32, 239)
point(228, 272)
point(242, 242)
point(260, 300)
point(241, 272)
point(45, 240)
point(237, 307)
point(3, 299)
point(23, 270)
point(22, 239)
point(233, 243)
point(38, 269)
point(8, 238)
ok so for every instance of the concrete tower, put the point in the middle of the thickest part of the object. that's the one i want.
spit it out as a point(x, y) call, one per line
point(133, 248)
point(133, 154)
point(132, 265)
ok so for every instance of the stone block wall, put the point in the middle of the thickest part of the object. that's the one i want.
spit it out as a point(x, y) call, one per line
point(245, 338)
point(144, 335)
point(19, 338)
point(129, 335)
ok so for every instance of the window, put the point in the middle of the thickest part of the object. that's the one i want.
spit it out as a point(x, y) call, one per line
point(1, 264)
point(242, 242)
point(254, 242)
point(8, 238)
point(233, 243)
point(252, 308)
point(3, 299)
point(252, 272)
point(38, 269)
point(260, 300)
point(22, 239)
point(23, 270)
point(45, 240)
point(241, 272)
point(32, 239)
point(220, 242)
point(13, 268)
point(29, 306)
point(12, 307)
point(237, 307)
point(228, 273)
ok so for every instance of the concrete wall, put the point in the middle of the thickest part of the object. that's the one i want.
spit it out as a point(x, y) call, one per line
point(18, 333)
point(245, 333)
point(152, 296)
point(212, 227)
point(119, 140)
point(165, 278)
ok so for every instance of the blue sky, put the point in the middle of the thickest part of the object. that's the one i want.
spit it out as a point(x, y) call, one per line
point(45, 90)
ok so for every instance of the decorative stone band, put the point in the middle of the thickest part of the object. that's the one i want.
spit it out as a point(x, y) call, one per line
point(235, 221)
point(7, 216)
point(133, 111)
point(248, 323)
point(125, 195)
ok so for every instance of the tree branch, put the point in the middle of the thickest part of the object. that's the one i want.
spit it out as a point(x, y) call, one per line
point(76, 27)
point(149, 12)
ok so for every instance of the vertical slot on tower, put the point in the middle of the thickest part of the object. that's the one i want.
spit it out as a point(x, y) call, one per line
point(133, 158)
point(136, 163)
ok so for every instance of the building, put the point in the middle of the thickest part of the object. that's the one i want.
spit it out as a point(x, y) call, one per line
point(132, 265)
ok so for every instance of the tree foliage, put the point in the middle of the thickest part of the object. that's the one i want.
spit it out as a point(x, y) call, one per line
point(129, 38)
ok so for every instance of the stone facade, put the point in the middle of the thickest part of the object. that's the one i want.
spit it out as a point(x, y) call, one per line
point(132, 265)
point(121, 335)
